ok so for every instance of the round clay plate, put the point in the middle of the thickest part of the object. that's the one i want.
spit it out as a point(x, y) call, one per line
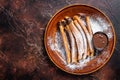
point(54, 42)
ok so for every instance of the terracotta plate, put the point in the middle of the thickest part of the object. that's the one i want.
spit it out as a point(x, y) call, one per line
point(54, 44)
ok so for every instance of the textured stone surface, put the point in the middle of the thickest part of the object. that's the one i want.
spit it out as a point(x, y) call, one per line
point(22, 52)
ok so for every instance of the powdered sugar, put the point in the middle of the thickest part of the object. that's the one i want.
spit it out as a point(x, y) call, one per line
point(109, 34)
point(100, 25)
point(104, 24)
point(80, 65)
point(96, 27)
point(56, 45)
point(99, 60)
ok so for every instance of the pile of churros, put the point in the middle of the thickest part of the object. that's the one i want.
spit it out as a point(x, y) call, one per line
point(77, 38)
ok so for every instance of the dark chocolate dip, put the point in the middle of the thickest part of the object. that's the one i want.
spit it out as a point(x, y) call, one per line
point(100, 40)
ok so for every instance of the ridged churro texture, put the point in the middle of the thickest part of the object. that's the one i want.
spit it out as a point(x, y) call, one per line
point(22, 52)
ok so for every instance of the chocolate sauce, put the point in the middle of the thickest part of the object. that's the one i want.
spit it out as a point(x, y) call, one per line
point(100, 40)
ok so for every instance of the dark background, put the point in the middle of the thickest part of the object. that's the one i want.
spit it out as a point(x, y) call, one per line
point(22, 52)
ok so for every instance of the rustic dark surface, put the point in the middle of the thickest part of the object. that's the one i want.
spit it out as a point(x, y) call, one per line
point(22, 52)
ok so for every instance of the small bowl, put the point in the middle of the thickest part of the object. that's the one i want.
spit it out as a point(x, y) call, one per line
point(52, 30)
point(100, 41)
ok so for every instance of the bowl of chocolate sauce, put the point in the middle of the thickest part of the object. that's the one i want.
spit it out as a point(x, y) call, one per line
point(100, 41)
